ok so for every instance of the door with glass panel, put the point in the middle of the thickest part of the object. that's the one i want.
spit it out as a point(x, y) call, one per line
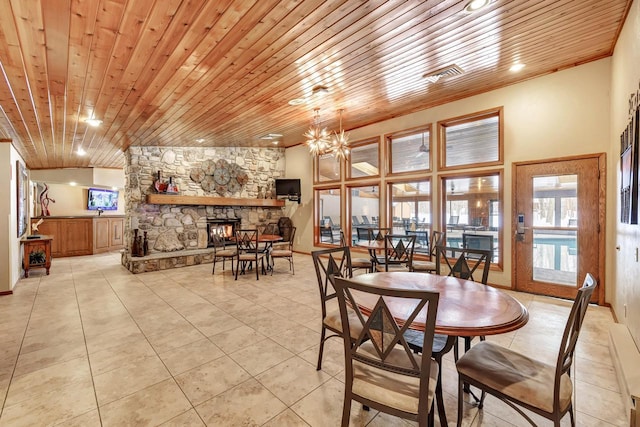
point(556, 226)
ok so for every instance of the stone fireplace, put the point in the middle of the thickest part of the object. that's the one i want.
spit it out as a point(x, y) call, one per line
point(178, 234)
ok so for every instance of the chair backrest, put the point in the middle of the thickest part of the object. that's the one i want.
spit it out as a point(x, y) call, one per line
point(365, 219)
point(327, 221)
point(453, 220)
point(398, 249)
point(270, 228)
point(463, 263)
point(571, 332)
point(478, 241)
point(292, 236)
point(247, 240)
point(354, 220)
point(385, 347)
point(362, 233)
point(329, 264)
point(438, 238)
point(378, 233)
point(218, 241)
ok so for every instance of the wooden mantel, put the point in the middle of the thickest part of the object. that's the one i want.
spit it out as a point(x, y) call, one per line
point(172, 199)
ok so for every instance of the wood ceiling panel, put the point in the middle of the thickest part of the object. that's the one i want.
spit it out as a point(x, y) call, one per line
point(172, 72)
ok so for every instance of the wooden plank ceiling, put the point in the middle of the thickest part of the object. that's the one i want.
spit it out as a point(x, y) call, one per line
point(221, 73)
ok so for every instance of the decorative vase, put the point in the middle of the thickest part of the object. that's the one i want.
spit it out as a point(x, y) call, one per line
point(145, 245)
point(134, 245)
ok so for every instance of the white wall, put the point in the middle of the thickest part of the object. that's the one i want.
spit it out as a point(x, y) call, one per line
point(10, 256)
point(561, 114)
point(72, 201)
point(623, 266)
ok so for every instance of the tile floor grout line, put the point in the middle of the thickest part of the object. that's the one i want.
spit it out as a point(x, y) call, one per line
point(24, 334)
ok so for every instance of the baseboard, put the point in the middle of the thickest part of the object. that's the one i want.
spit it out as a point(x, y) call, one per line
point(626, 361)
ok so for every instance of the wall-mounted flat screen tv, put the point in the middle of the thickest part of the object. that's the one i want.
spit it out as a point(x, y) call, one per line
point(102, 199)
point(288, 188)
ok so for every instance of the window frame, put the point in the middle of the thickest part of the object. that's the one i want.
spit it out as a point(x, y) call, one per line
point(469, 118)
point(317, 239)
point(358, 144)
point(316, 172)
point(388, 138)
point(442, 180)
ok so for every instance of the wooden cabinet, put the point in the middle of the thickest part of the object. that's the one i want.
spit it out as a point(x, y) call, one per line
point(36, 253)
point(108, 234)
point(74, 236)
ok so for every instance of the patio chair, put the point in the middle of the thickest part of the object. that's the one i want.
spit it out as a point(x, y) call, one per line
point(357, 263)
point(381, 371)
point(523, 381)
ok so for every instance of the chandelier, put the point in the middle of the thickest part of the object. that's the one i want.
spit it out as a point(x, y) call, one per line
point(317, 138)
point(320, 142)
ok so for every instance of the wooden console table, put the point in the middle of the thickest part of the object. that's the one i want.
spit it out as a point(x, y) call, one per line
point(36, 253)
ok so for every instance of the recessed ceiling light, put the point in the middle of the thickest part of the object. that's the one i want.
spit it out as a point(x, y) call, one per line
point(81, 152)
point(297, 101)
point(476, 5)
point(271, 136)
point(200, 140)
point(516, 67)
point(72, 183)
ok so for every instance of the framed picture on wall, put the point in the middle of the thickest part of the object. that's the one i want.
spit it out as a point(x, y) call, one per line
point(23, 194)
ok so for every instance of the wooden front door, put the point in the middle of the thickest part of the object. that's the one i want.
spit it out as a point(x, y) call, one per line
point(559, 225)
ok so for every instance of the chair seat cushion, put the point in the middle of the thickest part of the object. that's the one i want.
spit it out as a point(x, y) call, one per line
point(423, 266)
point(334, 322)
point(361, 262)
point(515, 375)
point(392, 267)
point(250, 257)
point(391, 389)
point(226, 253)
point(281, 253)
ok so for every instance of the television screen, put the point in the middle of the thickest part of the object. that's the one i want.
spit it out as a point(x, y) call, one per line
point(288, 187)
point(99, 198)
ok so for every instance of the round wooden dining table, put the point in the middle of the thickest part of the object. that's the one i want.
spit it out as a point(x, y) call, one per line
point(465, 308)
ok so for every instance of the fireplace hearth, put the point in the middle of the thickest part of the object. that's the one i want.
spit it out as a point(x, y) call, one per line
point(222, 227)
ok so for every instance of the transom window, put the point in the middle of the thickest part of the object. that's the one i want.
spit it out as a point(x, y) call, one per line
point(410, 151)
point(474, 140)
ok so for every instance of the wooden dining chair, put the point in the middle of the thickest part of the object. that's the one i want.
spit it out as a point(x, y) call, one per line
point(284, 252)
point(398, 253)
point(522, 381)
point(329, 265)
point(381, 371)
point(357, 263)
point(249, 253)
point(438, 238)
point(463, 263)
point(221, 252)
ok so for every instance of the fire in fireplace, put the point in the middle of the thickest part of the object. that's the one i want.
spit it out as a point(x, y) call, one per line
point(221, 227)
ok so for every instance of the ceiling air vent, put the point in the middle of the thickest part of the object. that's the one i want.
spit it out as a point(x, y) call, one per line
point(448, 71)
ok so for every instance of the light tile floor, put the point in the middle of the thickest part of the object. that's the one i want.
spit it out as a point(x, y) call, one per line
point(92, 345)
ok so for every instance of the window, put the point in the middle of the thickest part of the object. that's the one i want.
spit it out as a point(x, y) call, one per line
point(328, 219)
point(365, 207)
point(410, 151)
point(327, 168)
point(474, 140)
point(364, 159)
point(472, 207)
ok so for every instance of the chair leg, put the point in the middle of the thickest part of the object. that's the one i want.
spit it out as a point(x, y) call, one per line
point(322, 338)
point(237, 269)
point(439, 397)
point(346, 409)
point(257, 272)
point(460, 402)
point(214, 266)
